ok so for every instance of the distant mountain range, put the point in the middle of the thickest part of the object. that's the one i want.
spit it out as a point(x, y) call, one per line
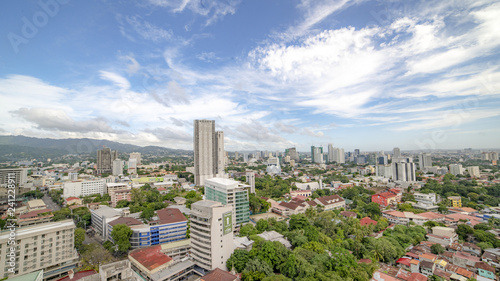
point(21, 147)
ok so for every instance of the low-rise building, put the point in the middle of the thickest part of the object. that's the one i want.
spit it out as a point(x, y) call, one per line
point(100, 218)
point(275, 236)
point(384, 199)
point(331, 202)
point(154, 265)
point(456, 201)
point(119, 195)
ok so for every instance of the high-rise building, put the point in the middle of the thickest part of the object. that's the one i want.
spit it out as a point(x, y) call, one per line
point(474, 171)
point(356, 152)
point(83, 188)
point(117, 167)
point(330, 153)
point(404, 170)
point(372, 158)
point(382, 160)
point(48, 246)
point(105, 158)
point(317, 154)
point(384, 170)
point(232, 193)
point(236, 155)
point(250, 175)
point(292, 152)
point(211, 230)
point(424, 161)
point(456, 169)
point(136, 156)
point(396, 152)
point(338, 155)
point(208, 151)
point(220, 154)
point(132, 166)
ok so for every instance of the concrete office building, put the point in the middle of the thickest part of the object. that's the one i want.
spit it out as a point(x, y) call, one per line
point(100, 219)
point(474, 171)
point(231, 193)
point(292, 152)
point(132, 166)
point(456, 169)
point(317, 155)
point(384, 171)
point(330, 153)
point(117, 167)
point(48, 246)
point(19, 175)
point(396, 152)
point(83, 188)
point(424, 161)
point(105, 158)
point(338, 155)
point(208, 151)
point(211, 234)
point(404, 171)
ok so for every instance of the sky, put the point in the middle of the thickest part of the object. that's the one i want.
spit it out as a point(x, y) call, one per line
point(273, 74)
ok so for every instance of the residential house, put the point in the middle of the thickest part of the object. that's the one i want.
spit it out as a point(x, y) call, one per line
point(384, 199)
point(427, 267)
point(472, 249)
point(492, 257)
point(485, 270)
point(331, 202)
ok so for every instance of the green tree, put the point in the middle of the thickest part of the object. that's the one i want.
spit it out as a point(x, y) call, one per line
point(238, 260)
point(79, 237)
point(263, 225)
point(256, 269)
point(147, 214)
point(298, 222)
point(121, 235)
point(94, 255)
point(437, 249)
point(463, 230)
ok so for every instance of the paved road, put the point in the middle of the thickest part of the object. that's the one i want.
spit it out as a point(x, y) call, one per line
point(50, 204)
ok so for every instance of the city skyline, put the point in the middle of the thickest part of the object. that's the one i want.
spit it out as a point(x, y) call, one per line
point(273, 75)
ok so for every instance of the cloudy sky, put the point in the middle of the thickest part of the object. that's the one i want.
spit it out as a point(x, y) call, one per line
point(273, 74)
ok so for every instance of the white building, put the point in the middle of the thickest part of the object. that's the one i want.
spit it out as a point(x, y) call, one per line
point(396, 152)
point(250, 175)
point(473, 171)
point(426, 201)
point(273, 166)
point(48, 246)
point(101, 217)
point(208, 147)
point(317, 155)
point(211, 234)
point(338, 155)
point(424, 161)
point(117, 167)
point(384, 171)
point(456, 169)
point(132, 166)
point(404, 170)
point(83, 188)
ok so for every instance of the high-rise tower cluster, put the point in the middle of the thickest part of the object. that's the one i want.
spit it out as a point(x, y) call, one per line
point(208, 151)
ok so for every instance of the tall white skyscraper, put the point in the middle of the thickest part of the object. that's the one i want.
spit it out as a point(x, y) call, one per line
point(208, 151)
point(338, 155)
point(424, 161)
point(330, 153)
point(404, 170)
point(456, 169)
point(396, 152)
point(251, 180)
point(117, 167)
point(317, 154)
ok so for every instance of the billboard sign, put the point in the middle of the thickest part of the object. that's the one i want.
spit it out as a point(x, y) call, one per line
point(227, 222)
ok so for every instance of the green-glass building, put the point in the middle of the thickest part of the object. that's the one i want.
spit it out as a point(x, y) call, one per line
point(232, 193)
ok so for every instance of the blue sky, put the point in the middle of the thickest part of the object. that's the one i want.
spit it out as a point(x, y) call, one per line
point(273, 74)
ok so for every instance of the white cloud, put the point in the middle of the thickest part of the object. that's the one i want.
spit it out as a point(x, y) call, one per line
point(118, 80)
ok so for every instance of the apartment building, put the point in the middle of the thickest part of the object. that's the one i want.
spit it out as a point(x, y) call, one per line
point(211, 234)
point(83, 188)
point(47, 246)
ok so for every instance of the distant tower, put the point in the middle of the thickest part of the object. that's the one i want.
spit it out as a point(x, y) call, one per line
point(105, 158)
point(136, 156)
point(208, 151)
point(396, 153)
point(251, 181)
point(330, 153)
